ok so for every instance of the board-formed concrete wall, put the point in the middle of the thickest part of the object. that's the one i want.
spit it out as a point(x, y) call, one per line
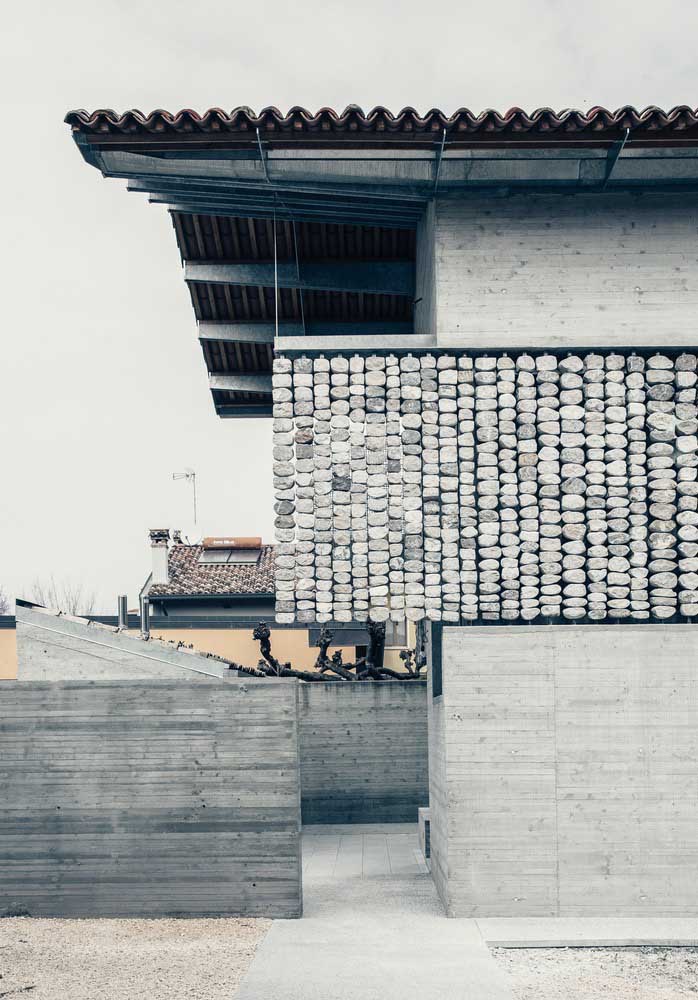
point(566, 771)
point(544, 271)
point(495, 488)
point(150, 798)
point(363, 746)
point(363, 752)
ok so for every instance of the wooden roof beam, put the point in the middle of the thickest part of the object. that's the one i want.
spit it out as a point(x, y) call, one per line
point(240, 383)
point(378, 277)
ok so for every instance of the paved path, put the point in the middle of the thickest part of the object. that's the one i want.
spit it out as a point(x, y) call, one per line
point(373, 929)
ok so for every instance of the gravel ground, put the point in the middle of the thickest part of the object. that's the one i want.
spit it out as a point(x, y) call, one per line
point(125, 959)
point(601, 973)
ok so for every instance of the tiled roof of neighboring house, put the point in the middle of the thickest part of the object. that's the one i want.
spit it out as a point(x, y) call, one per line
point(189, 577)
point(649, 126)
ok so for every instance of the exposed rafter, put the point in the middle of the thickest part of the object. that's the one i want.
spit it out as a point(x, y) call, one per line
point(242, 333)
point(240, 382)
point(378, 277)
point(263, 208)
point(244, 409)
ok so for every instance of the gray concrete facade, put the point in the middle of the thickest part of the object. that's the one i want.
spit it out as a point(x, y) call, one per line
point(363, 750)
point(150, 798)
point(545, 271)
point(563, 767)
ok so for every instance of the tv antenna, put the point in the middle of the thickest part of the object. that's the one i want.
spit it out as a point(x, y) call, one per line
point(190, 477)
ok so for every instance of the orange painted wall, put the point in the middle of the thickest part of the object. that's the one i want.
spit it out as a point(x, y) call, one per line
point(286, 644)
point(8, 654)
point(238, 644)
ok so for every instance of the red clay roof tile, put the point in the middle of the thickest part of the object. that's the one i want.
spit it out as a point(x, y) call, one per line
point(544, 124)
point(188, 577)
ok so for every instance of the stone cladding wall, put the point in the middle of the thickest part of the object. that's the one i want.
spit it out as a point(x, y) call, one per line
point(469, 488)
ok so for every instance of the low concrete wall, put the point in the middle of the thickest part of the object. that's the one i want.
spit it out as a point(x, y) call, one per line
point(150, 798)
point(363, 751)
point(565, 771)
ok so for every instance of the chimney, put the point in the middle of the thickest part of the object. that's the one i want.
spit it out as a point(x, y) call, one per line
point(159, 537)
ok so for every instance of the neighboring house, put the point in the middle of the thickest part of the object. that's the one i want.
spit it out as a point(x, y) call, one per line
point(229, 577)
point(214, 592)
point(211, 595)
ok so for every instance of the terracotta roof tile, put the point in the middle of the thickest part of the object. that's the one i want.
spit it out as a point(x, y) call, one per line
point(651, 124)
point(188, 577)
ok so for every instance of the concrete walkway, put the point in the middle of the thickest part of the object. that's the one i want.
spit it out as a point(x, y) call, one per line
point(373, 929)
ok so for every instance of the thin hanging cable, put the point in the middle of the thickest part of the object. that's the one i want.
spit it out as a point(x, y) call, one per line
point(438, 163)
point(298, 274)
point(276, 287)
point(278, 199)
point(262, 157)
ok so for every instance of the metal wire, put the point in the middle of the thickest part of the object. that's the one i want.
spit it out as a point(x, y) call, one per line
point(276, 286)
point(438, 164)
point(262, 156)
point(298, 274)
point(277, 197)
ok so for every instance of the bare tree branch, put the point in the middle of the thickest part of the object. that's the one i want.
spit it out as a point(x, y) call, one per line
point(4, 603)
point(369, 667)
point(264, 670)
point(64, 595)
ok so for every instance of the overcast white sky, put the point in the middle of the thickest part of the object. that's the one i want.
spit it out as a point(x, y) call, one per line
point(102, 383)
